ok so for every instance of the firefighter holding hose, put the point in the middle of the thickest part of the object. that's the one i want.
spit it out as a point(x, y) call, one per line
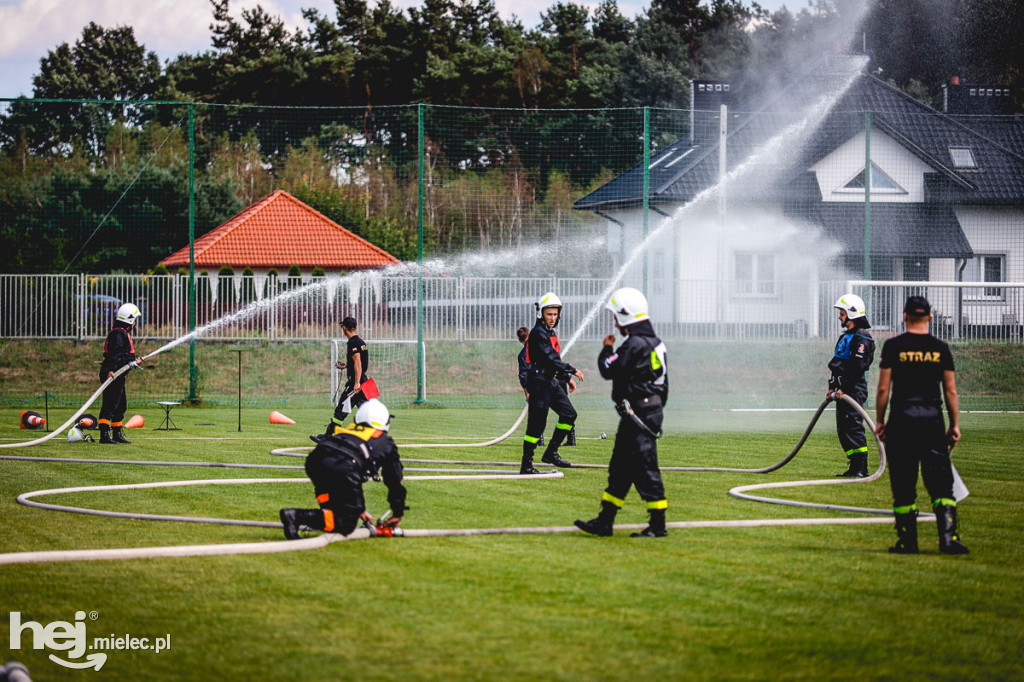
point(338, 467)
point(638, 371)
point(854, 353)
point(118, 351)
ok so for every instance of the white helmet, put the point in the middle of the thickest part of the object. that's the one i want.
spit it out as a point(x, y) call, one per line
point(548, 300)
point(852, 304)
point(128, 313)
point(76, 435)
point(374, 413)
point(629, 306)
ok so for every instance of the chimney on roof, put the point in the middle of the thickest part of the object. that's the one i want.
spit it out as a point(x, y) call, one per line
point(706, 100)
point(961, 97)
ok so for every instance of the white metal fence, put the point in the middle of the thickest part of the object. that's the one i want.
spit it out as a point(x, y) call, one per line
point(476, 308)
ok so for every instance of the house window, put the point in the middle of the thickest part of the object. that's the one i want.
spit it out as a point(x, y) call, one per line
point(985, 269)
point(963, 157)
point(755, 274)
point(880, 182)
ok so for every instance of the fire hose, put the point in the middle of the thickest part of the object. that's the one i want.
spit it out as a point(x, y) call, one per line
point(739, 492)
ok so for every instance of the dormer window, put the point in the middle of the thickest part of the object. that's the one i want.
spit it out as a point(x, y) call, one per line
point(963, 157)
point(880, 182)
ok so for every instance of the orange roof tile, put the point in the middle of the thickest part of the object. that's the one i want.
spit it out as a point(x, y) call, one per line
point(279, 231)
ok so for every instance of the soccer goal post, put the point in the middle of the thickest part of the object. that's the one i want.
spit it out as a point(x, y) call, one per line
point(393, 364)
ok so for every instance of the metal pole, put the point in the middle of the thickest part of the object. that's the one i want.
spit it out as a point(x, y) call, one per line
point(420, 360)
point(191, 252)
point(239, 390)
point(722, 254)
point(867, 196)
point(647, 185)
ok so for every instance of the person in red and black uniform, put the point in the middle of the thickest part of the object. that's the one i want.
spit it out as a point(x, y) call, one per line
point(638, 370)
point(118, 351)
point(357, 361)
point(915, 366)
point(338, 467)
point(524, 367)
point(547, 378)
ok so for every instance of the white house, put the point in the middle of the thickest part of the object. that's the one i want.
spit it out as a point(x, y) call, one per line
point(797, 219)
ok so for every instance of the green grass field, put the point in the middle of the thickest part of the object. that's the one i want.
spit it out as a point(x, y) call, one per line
point(807, 602)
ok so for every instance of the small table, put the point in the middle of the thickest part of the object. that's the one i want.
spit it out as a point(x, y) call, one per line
point(167, 424)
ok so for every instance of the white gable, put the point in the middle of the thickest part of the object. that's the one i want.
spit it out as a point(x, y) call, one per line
point(844, 164)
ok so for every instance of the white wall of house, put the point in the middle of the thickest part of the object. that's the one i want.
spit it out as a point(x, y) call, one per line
point(755, 267)
point(995, 231)
point(847, 161)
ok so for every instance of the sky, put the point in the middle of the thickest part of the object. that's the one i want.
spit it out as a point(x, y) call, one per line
point(31, 28)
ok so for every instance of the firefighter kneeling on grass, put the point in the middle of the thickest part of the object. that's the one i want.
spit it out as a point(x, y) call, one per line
point(639, 376)
point(338, 467)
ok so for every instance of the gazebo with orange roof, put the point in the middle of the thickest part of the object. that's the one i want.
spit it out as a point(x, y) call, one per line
point(279, 231)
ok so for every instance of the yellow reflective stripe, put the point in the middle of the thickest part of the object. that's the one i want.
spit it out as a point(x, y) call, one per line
point(564, 427)
point(608, 497)
point(904, 510)
point(943, 501)
point(857, 450)
point(531, 439)
point(359, 431)
point(655, 361)
point(657, 504)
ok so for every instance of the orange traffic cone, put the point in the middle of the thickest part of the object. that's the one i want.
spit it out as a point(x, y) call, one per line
point(278, 418)
point(32, 420)
point(135, 422)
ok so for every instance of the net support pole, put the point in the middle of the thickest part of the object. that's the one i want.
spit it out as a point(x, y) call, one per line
point(867, 199)
point(647, 185)
point(191, 252)
point(239, 351)
point(420, 360)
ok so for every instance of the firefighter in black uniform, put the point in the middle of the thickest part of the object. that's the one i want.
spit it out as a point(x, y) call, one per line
point(855, 351)
point(338, 467)
point(118, 351)
point(639, 376)
point(547, 377)
point(357, 360)
point(914, 365)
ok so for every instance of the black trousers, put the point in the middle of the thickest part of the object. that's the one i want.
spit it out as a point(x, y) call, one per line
point(115, 400)
point(542, 398)
point(849, 423)
point(635, 459)
point(354, 401)
point(338, 484)
point(916, 437)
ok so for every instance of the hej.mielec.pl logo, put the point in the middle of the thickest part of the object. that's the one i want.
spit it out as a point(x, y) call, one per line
point(72, 638)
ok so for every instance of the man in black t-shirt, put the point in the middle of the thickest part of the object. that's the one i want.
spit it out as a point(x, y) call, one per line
point(357, 360)
point(915, 365)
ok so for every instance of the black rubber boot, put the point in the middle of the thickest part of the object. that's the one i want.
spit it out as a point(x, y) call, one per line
point(527, 465)
point(570, 440)
point(858, 466)
point(655, 528)
point(293, 519)
point(551, 455)
point(906, 534)
point(602, 525)
point(105, 435)
point(118, 436)
point(949, 539)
